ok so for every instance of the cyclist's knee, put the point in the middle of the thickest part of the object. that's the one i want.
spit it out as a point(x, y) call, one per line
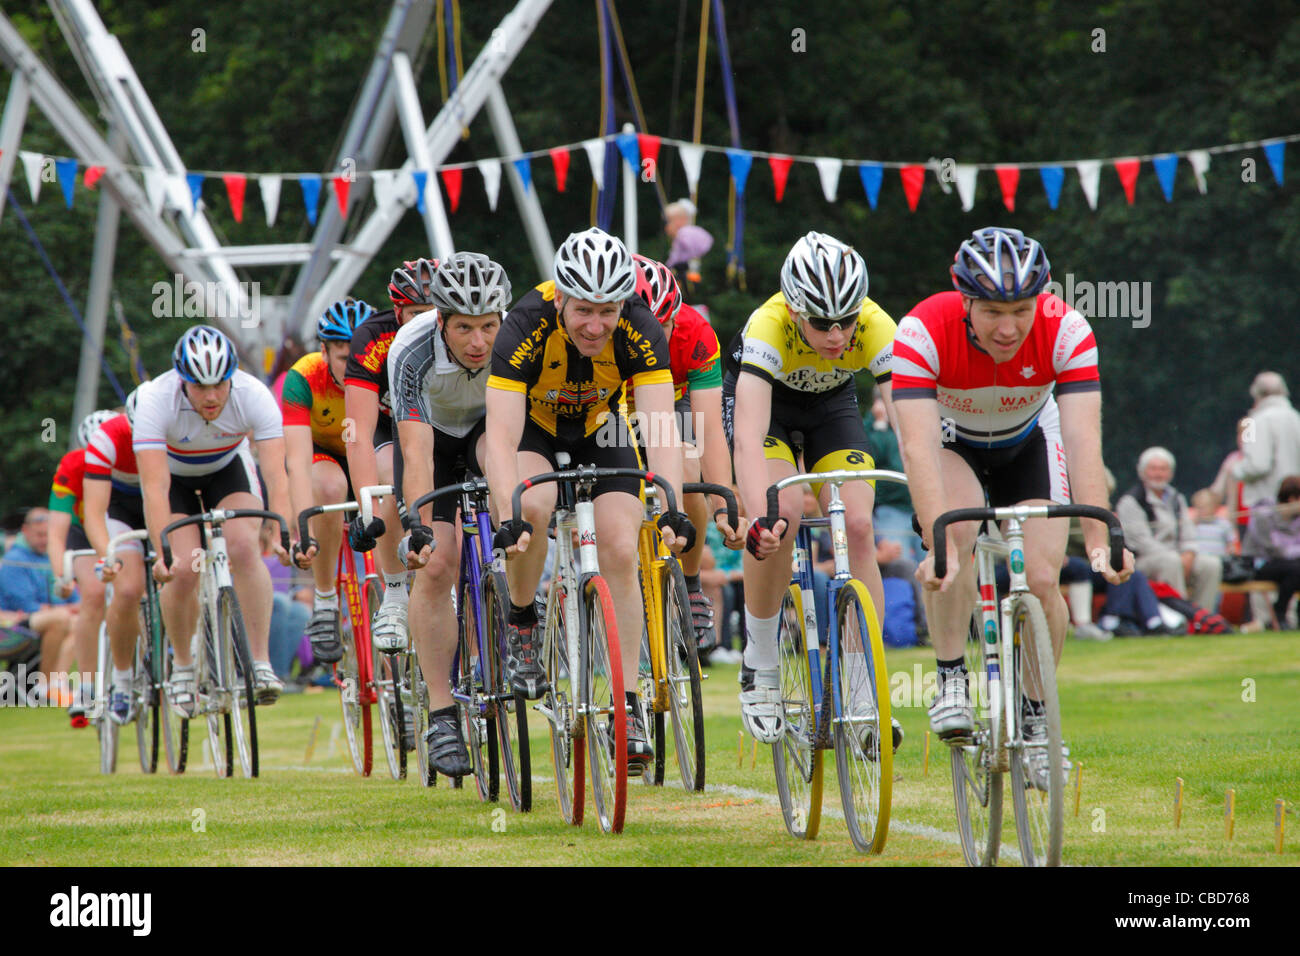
point(860, 528)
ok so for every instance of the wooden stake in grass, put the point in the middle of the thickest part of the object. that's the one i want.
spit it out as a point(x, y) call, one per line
point(1229, 813)
point(311, 742)
point(753, 757)
point(1279, 821)
point(925, 767)
point(1078, 786)
point(740, 749)
point(1178, 802)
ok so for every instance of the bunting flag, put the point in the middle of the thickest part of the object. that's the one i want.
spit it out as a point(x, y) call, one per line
point(1053, 178)
point(155, 189)
point(741, 162)
point(627, 145)
point(1089, 179)
point(66, 171)
point(451, 180)
point(780, 173)
point(195, 183)
point(270, 186)
point(421, 180)
point(560, 163)
point(649, 146)
point(872, 175)
point(1200, 163)
point(913, 178)
point(490, 169)
point(966, 186)
point(32, 163)
point(310, 186)
point(93, 175)
point(342, 189)
point(1166, 167)
point(828, 171)
point(1128, 177)
point(595, 149)
point(692, 157)
point(525, 170)
point(1275, 152)
point(1009, 180)
point(235, 186)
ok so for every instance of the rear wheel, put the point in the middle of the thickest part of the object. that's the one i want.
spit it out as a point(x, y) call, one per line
point(511, 709)
point(146, 694)
point(108, 729)
point(976, 782)
point(796, 757)
point(685, 696)
point(238, 669)
point(1040, 814)
point(568, 757)
point(417, 703)
point(605, 705)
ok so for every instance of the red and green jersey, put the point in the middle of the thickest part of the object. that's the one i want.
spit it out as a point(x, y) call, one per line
point(311, 397)
point(693, 355)
point(65, 493)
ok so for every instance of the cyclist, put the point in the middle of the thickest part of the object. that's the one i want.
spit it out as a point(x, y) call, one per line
point(437, 366)
point(68, 533)
point(368, 407)
point(559, 363)
point(693, 355)
point(316, 457)
point(191, 439)
point(790, 390)
point(112, 506)
point(974, 375)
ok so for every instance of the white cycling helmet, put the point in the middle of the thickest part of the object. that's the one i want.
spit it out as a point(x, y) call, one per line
point(469, 283)
point(205, 356)
point(594, 266)
point(90, 424)
point(823, 277)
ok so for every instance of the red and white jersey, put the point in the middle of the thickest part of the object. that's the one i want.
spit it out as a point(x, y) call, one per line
point(110, 457)
point(164, 418)
point(992, 405)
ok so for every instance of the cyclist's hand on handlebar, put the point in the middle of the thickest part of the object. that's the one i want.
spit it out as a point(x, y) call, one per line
point(513, 536)
point(1110, 574)
point(419, 546)
point(363, 537)
point(733, 538)
point(107, 571)
point(303, 554)
point(677, 531)
point(764, 536)
point(64, 588)
point(162, 572)
point(925, 573)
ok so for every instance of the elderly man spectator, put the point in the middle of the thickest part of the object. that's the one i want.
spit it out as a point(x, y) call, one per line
point(27, 601)
point(1274, 538)
point(1158, 529)
point(689, 243)
point(1270, 443)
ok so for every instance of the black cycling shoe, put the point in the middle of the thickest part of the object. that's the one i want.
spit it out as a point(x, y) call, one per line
point(702, 617)
point(746, 678)
point(323, 629)
point(447, 752)
point(640, 754)
point(527, 678)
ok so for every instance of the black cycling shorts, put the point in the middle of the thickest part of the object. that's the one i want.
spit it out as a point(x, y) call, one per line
point(1034, 469)
point(240, 475)
point(454, 460)
point(595, 449)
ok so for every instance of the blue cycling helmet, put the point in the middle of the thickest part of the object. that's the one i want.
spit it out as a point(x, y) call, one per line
point(341, 320)
point(205, 356)
point(1002, 264)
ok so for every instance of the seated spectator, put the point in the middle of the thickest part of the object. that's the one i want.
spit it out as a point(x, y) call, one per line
point(1215, 534)
point(1158, 529)
point(1273, 539)
point(27, 599)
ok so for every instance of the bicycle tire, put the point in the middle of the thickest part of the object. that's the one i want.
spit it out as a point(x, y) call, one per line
point(511, 709)
point(145, 691)
point(419, 704)
point(108, 728)
point(654, 720)
point(475, 682)
point(602, 680)
point(356, 722)
point(388, 703)
point(175, 728)
point(796, 758)
point(238, 670)
point(1040, 818)
point(977, 784)
point(568, 755)
point(685, 685)
point(865, 772)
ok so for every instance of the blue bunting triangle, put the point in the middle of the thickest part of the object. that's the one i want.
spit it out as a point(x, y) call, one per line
point(310, 195)
point(1276, 153)
point(525, 170)
point(1053, 177)
point(1166, 168)
point(740, 163)
point(627, 145)
point(195, 181)
point(66, 170)
point(421, 180)
point(872, 175)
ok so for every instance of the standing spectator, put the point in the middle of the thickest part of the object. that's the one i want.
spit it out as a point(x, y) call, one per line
point(1159, 531)
point(1271, 445)
point(27, 600)
point(1228, 488)
point(689, 243)
point(1215, 534)
point(1274, 535)
point(893, 511)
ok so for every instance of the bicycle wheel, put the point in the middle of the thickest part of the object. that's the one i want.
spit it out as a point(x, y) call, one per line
point(864, 747)
point(1040, 815)
point(390, 720)
point(603, 697)
point(511, 709)
point(220, 743)
point(238, 671)
point(654, 720)
point(145, 691)
point(567, 754)
point(356, 714)
point(475, 681)
point(976, 781)
point(417, 702)
point(796, 758)
point(685, 695)
point(175, 728)
point(108, 729)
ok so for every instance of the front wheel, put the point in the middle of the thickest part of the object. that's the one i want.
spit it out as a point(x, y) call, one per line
point(976, 780)
point(511, 709)
point(568, 757)
point(796, 758)
point(147, 695)
point(390, 715)
point(605, 705)
point(1038, 762)
point(685, 696)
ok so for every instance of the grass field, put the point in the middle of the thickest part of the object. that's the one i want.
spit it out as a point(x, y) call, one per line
point(1219, 712)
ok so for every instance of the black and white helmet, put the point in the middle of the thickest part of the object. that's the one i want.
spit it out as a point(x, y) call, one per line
point(90, 424)
point(469, 283)
point(595, 267)
point(131, 401)
point(205, 356)
point(823, 277)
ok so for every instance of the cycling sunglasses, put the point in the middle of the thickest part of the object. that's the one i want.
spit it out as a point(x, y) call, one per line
point(846, 322)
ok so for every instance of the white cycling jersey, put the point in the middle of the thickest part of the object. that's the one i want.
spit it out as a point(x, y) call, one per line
point(427, 385)
point(164, 418)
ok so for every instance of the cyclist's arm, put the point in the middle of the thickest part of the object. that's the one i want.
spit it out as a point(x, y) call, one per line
point(752, 417)
point(94, 500)
point(155, 487)
point(1081, 434)
point(920, 441)
point(59, 523)
point(297, 460)
point(507, 410)
point(361, 408)
point(417, 464)
point(710, 442)
point(665, 457)
point(270, 454)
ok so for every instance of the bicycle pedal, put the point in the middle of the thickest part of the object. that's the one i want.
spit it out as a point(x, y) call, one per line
point(80, 722)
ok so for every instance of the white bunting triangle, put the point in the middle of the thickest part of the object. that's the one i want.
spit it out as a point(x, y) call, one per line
point(384, 183)
point(1089, 179)
point(1200, 160)
point(596, 157)
point(491, 171)
point(32, 163)
point(966, 186)
point(155, 187)
point(692, 157)
point(270, 186)
point(828, 169)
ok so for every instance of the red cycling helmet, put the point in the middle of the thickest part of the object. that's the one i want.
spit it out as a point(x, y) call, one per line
point(657, 285)
point(412, 284)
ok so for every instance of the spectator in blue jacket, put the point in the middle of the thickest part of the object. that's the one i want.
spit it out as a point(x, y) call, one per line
point(27, 598)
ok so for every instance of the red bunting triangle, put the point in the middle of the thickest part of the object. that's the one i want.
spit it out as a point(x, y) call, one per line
point(1128, 176)
point(235, 184)
point(780, 173)
point(560, 160)
point(342, 187)
point(649, 146)
point(913, 179)
point(93, 174)
point(451, 180)
point(1009, 178)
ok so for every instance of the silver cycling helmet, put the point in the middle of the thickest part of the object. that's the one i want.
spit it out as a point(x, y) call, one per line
point(469, 283)
point(823, 277)
point(594, 266)
point(205, 356)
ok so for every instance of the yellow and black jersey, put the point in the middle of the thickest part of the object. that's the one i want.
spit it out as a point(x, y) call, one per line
point(567, 392)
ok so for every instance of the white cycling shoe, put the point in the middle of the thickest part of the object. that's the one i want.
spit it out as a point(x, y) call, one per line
point(762, 709)
point(389, 632)
point(863, 714)
point(951, 714)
